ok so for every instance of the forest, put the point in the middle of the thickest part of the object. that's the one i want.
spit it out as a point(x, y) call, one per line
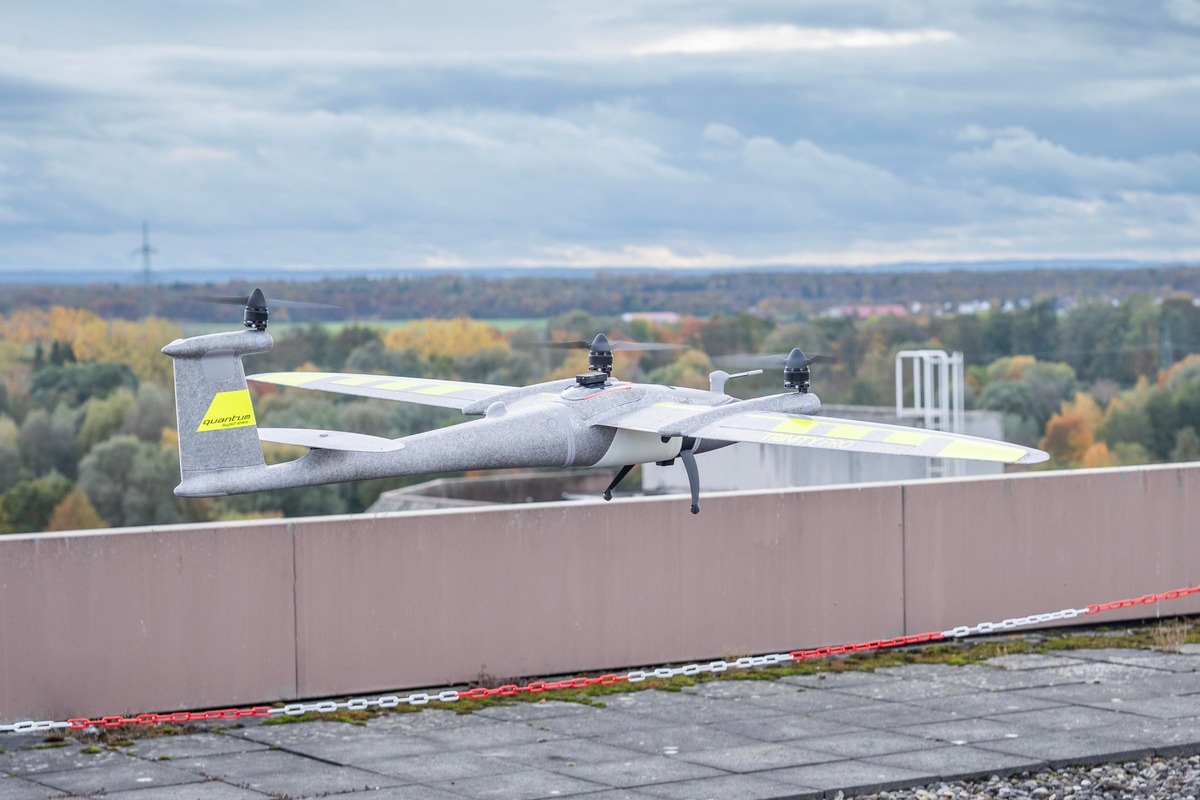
point(87, 436)
point(776, 294)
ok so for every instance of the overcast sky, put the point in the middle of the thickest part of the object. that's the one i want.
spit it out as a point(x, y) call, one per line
point(371, 134)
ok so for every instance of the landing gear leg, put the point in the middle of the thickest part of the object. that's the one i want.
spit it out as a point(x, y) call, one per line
point(689, 464)
point(620, 477)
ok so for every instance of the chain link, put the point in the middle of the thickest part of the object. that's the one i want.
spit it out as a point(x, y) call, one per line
point(636, 676)
point(1013, 622)
point(1149, 599)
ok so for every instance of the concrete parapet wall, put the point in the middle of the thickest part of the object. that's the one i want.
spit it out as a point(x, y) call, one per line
point(185, 617)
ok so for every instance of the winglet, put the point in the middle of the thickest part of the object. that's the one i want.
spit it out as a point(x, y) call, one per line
point(217, 427)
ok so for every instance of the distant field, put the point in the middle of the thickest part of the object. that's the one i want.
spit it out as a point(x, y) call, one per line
point(502, 325)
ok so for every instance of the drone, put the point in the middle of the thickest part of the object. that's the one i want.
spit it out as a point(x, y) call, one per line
point(591, 420)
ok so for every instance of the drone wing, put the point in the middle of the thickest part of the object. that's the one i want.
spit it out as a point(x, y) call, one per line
point(830, 433)
point(424, 391)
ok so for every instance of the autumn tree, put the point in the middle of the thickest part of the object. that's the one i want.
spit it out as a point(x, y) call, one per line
point(138, 345)
point(74, 513)
point(1067, 438)
point(445, 338)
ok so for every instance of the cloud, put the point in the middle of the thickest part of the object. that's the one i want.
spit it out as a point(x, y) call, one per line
point(1185, 11)
point(1014, 156)
point(743, 134)
point(784, 38)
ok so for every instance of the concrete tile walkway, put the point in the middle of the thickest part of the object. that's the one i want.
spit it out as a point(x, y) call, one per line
point(800, 736)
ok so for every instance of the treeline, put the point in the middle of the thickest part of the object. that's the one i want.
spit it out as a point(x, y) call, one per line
point(777, 294)
point(87, 434)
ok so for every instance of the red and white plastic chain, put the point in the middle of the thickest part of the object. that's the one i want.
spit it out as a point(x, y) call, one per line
point(636, 676)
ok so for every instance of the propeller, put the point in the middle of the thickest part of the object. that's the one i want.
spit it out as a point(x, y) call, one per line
point(795, 365)
point(255, 303)
point(600, 349)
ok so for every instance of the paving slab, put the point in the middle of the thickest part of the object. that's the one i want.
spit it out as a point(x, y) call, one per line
point(803, 736)
point(1062, 748)
point(414, 792)
point(596, 724)
point(910, 689)
point(681, 739)
point(640, 771)
point(759, 757)
point(803, 700)
point(955, 763)
point(431, 768)
point(1177, 707)
point(870, 742)
point(1153, 659)
point(495, 734)
point(850, 777)
point(14, 788)
point(524, 712)
point(208, 790)
point(280, 773)
point(885, 715)
point(986, 703)
point(786, 728)
point(116, 776)
point(525, 784)
point(966, 731)
point(40, 758)
point(561, 753)
point(1063, 718)
point(742, 787)
point(197, 744)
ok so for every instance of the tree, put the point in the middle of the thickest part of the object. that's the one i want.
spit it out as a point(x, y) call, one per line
point(1067, 438)
point(29, 504)
point(131, 482)
point(11, 468)
point(75, 384)
point(1098, 455)
point(138, 345)
point(1126, 422)
point(102, 417)
point(373, 357)
point(690, 370)
point(445, 338)
point(1187, 445)
point(74, 513)
point(741, 333)
point(151, 411)
point(47, 441)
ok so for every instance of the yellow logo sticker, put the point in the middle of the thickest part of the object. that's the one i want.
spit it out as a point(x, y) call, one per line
point(228, 410)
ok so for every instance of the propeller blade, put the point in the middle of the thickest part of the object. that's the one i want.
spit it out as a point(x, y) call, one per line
point(241, 300)
point(602, 344)
point(647, 346)
point(765, 359)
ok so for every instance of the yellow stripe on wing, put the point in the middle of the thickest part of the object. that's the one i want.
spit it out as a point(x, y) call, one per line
point(442, 388)
point(357, 380)
point(903, 437)
point(292, 378)
point(399, 386)
point(983, 451)
point(847, 432)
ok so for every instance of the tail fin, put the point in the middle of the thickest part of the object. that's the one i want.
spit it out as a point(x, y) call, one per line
point(217, 429)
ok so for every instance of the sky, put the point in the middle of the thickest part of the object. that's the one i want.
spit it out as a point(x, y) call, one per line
point(379, 134)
